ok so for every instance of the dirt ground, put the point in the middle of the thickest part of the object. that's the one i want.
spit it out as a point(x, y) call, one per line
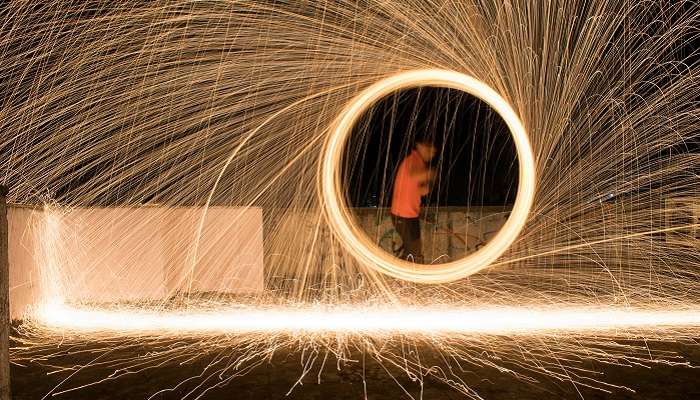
point(275, 379)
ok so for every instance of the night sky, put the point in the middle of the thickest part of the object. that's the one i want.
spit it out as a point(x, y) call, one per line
point(476, 160)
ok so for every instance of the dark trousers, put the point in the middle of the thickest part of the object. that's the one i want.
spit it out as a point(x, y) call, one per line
point(409, 230)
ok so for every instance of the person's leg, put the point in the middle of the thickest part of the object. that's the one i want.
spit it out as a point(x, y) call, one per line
point(401, 228)
point(413, 246)
point(409, 231)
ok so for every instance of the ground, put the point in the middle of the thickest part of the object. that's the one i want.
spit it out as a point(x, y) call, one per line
point(274, 380)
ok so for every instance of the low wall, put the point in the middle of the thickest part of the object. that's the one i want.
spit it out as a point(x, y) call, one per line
point(300, 251)
point(124, 254)
point(148, 253)
point(23, 252)
point(447, 233)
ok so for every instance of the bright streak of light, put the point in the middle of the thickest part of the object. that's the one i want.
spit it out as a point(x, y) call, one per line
point(353, 237)
point(339, 319)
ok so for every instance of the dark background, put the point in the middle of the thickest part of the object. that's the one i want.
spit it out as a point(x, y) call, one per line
point(476, 161)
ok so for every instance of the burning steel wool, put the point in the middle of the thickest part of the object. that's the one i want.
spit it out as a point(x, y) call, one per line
point(142, 125)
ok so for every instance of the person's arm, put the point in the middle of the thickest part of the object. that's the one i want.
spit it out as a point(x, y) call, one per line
point(422, 174)
point(424, 189)
point(424, 177)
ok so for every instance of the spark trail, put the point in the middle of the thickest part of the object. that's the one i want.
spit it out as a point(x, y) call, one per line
point(228, 103)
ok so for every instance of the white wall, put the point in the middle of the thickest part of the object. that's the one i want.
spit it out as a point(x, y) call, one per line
point(22, 251)
point(132, 254)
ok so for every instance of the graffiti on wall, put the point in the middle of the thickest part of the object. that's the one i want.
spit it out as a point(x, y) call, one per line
point(447, 233)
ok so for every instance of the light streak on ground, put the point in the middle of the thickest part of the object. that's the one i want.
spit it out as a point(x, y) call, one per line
point(365, 320)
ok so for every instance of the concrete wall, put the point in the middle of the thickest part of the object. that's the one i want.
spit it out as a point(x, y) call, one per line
point(300, 250)
point(135, 254)
point(124, 254)
point(448, 234)
point(23, 250)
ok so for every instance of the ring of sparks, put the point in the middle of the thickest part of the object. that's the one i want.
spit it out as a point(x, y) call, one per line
point(351, 236)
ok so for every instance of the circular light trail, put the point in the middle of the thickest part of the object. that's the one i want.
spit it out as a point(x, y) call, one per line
point(351, 236)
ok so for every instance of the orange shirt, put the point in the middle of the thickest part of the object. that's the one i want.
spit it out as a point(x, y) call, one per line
point(405, 202)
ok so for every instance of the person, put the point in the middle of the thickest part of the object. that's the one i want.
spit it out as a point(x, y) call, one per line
point(410, 185)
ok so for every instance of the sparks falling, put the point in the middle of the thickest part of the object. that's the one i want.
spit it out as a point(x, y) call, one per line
point(195, 105)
